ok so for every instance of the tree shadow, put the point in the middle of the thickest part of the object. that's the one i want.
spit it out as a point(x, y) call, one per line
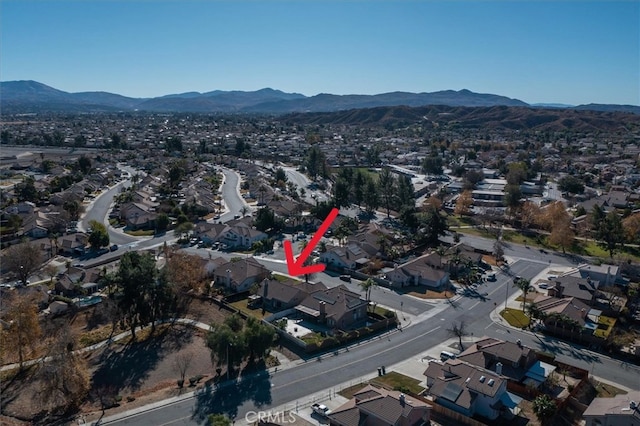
point(129, 367)
point(227, 397)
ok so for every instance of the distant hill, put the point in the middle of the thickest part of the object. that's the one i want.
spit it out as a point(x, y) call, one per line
point(32, 96)
point(495, 118)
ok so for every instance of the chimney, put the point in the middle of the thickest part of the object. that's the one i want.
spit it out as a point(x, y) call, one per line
point(499, 368)
point(323, 310)
point(401, 398)
point(519, 343)
point(228, 277)
point(266, 288)
point(608, 275)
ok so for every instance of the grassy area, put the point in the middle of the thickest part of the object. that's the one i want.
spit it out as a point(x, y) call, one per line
point(242, 305)
point(424, 293)
point(95, 336)
point(141, 233)
point(382, 311)
point(515, 317)
point(606, 390)
point(366, 172)
point(391, 380)
point(605, 327)
point(397, 381)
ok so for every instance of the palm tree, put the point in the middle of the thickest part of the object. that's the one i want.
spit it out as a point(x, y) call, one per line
point(524, 285)
point(366, 286)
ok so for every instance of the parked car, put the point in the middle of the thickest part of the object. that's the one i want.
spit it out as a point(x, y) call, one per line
point(114, 247)
point(320, 409)
point(346, 278)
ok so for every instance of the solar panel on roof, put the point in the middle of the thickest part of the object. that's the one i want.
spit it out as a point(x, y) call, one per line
point(451, 392)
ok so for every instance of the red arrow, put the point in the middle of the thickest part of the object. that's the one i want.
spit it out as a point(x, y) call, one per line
point(296, 267)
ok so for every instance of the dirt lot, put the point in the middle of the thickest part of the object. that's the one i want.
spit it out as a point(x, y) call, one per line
point(136, 374)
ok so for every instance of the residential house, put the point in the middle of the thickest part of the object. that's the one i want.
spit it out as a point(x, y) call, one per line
point(138, 215)
point(583, 289)
point(68, 282)
point(72, 244)
point(337, 307)
point(242, 235)
point(347, 257)
point(373, 406)
point(469, 389)
point(509, 359)
point(240, 275)
point(280, 295)
point(418, 271)
point(36, 225)
point(621, 410)
point(605, 275)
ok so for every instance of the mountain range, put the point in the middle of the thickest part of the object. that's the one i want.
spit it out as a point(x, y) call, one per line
point(31, 96)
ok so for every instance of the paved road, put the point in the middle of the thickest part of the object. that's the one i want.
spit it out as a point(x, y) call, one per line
point(264, 391)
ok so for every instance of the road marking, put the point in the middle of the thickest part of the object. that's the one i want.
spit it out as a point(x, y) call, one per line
point(175, 421)
point(342, 367)
point(474, 305)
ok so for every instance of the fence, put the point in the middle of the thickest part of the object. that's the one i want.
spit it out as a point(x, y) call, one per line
point(446, 416)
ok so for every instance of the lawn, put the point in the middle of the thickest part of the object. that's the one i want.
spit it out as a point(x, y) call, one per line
point(141, 233)
point(424, 293)
point(515, 317)
point(391, 380)
point(242, 305)
point(606, 390)
point(397, 381)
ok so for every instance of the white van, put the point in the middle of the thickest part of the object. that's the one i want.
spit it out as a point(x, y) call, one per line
point(445, 355)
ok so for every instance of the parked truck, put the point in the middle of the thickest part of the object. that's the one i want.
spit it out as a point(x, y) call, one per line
point(320, 409)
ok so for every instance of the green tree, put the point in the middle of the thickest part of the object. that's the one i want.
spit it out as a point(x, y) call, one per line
point(316, 162)
point(259, 338)
point(386, 188)
point(432, 225)
point(544, 407)
point(219, 420)
point(84, 164)
point(357, 187)
point(74, 208)
point(571, 184)
point(341, 193)
point(405, 193)
point(136, 276)
point(265, 219)
point(611, 232)
point(98, 237)
point(26, 190)
point(162, 222)
point(370, 196)
point(525, 286)
point(281, 175)
point(432, 165)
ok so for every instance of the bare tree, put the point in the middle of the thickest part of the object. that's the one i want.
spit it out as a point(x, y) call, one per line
point(458, 330)
point(24, 330)
point(22, 259)
point(64, 376)
point(182, 363)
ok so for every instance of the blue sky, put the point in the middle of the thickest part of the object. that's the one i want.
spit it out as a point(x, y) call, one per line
point(568, 52)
